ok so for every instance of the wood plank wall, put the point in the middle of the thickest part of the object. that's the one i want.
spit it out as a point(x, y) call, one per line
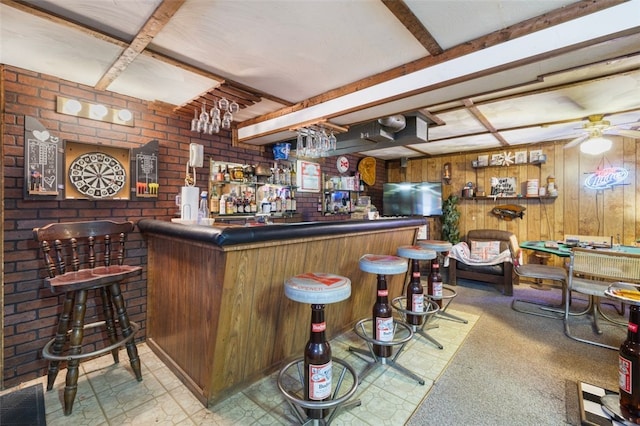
point(576, 210)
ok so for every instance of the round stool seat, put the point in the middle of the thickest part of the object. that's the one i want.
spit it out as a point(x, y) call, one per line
point(317, 288)
point(437, 245)
point(383, 264)
point(416, 252)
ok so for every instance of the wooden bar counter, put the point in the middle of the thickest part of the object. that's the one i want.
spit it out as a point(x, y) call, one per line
point(216, 310)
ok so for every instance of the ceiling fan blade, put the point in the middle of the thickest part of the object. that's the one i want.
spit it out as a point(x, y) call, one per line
point(624, 132)
point(576, 141)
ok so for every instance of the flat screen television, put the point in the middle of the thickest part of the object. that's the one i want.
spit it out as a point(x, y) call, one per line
point(412, 199)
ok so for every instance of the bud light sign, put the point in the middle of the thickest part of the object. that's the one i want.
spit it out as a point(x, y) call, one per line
point(606, 178)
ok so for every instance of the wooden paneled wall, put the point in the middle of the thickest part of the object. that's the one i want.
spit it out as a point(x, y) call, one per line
point(577, 209)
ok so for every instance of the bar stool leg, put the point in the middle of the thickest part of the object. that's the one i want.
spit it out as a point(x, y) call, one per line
point(75, 347)
point(61, 337)
point(127, 329)
point(107, 310)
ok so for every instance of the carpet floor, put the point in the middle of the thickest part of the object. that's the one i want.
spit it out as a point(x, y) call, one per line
point(23, 407)
point(516, 368)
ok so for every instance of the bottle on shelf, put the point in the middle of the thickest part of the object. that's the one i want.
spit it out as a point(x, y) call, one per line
point(223, 204)
point(219, 174)
point(629, 367)
point(203, 207)
point(227, 174)
point(317, 363)
point(434, 282)
point(214, 201)
point(415, 295)
point(382, 319)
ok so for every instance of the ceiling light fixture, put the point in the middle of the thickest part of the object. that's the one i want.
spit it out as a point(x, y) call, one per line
point(93, 111)
point(595, 146)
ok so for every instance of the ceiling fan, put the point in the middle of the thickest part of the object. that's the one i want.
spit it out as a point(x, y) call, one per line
point(597, 127)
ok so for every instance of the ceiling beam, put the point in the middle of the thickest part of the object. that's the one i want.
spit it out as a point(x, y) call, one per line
point(556, 17)
point(401, 11)
point(468, 103)
point(156, 22)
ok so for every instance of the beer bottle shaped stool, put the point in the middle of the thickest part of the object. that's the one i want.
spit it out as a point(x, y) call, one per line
point(445, 294)
point(320, 399)
point(414, 307)
point(381, 331)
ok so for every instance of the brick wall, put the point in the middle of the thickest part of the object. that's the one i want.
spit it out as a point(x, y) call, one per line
point(30, 309)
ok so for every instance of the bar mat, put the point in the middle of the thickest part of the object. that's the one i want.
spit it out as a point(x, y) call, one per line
point(23, 407)
point(591, 412)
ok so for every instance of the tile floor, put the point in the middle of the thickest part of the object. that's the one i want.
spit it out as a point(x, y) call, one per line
point(108, 394)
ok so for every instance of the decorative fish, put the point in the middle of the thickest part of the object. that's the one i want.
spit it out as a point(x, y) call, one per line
point(509, 211)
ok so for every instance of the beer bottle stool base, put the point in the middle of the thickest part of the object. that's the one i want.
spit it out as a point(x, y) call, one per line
point(403, 333)
point(383, 265)
point(403, 304)
point(430, 308)
point(317, 288)
point(441, 248)
point(291, 384)
point(611, 406)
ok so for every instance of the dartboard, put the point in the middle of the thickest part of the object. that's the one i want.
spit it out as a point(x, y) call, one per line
point(97, 175)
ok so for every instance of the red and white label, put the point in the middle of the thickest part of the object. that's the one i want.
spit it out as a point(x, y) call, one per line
point(318, 327)
point(624, 374)
point(416, 274)
point(417, 302)
point(437, 289)
point(320, 381)
point(633, 327)
point(383, 293)
point(384, 329)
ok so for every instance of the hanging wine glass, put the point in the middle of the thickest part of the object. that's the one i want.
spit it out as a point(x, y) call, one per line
point(215, 111)
point(215, 125)
point(226, 120)
point(234, 107)
point(194, 122)
point(223, 104)
point(300, 149)
point(333, 141)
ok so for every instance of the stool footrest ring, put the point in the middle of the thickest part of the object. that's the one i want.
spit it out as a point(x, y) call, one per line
point(46, 352)
point(336, 402)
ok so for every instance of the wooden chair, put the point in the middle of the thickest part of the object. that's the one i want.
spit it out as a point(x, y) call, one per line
point(590, 273)
point(76, 241)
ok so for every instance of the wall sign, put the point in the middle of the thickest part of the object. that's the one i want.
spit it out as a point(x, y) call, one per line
point(144, 164)
point(606, 178)
point(43, 162)
point(308, 176)
point(503, 186)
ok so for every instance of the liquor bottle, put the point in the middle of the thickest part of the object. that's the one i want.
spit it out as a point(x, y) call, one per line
point(294, 202)
point(382, 319)
point(415, 295)
point(629, 367)
point(214, 201)
point(317, 363)
point(434, 282)
point(223, 204)
point(227, 175)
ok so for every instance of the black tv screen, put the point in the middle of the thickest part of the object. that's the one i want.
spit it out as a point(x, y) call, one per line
point(412, 199)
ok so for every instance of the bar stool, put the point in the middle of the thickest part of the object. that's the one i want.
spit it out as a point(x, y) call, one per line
point(416, 319)
point(66, 239)
point(441, 248)
point(318, 289)
point(380, 351)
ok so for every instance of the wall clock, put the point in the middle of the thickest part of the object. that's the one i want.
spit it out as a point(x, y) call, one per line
point(97, 175)
point(342, 163)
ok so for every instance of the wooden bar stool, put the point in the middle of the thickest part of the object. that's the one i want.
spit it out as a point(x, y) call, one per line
point(319, 401)
point(442, 248)
point(78, 240)
point(393, 332)
point(418, 317)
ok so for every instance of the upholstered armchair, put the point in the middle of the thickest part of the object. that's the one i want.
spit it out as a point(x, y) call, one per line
point(486, 255)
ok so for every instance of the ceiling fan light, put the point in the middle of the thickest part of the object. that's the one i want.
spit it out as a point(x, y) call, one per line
point(595, 146)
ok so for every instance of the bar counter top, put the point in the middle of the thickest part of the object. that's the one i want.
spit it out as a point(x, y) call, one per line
point(225, 235)
point(216, 311)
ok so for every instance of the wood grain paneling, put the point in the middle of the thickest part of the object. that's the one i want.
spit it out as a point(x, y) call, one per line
point(219, 318)
point(577, 210)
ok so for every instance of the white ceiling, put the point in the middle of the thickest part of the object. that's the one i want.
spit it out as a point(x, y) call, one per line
point(488, 74)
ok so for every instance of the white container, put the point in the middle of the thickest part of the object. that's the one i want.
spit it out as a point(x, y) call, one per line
point(189, 201)
point(533, 187)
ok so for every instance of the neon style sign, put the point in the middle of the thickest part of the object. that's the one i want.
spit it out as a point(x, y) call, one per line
point(606, 178)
